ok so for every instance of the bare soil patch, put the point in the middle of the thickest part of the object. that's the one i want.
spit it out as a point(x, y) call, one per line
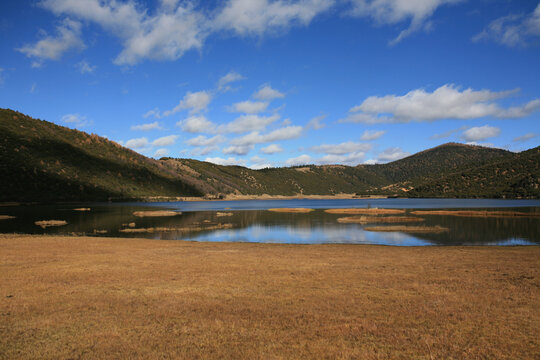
point(82, 209)
point(48, 223)
point(291, 210)
point(6, 217)
point(156, 213)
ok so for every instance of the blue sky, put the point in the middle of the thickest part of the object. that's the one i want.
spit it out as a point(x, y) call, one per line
point(276, 83)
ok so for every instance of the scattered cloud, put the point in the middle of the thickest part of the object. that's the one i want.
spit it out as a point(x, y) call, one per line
point(238, 149)
point(256, 17)
point(285, 133)
point(152, 113)
point(526, 137)
point(257, 162)
point(33, 88)
point(147, 127)
point(85, 68)
point(76, 119)
point(512, 30)
point(137, 143)
point(197, 124)
point(193, 101)
point(165, 140)
point(446, 102)
point(53, 47)
point(372, 135)
point(316, 123)
point(392, 154)
point(249, 107)
point(267, 93)
point(1, 76)
point(159, 153)
point(247, 123)
point(352, 159)
point(480, 133)
point(202, 140)
point(397, 11)
point(299, 160)
point(228, 161)
point(272, 149)
point(343, 148)
point(225, 81)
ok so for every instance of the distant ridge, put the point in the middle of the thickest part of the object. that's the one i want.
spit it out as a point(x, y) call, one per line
point(41, 161)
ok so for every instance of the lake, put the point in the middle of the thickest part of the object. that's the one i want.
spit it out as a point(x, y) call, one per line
point(250, 221)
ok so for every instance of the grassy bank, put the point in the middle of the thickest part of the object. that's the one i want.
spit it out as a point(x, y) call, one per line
point(63, 297)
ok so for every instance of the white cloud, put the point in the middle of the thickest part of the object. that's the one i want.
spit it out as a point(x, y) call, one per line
point(249, 107)
point(247, 123)
point(396, 11)
point(197, 124)
point(53, 47)
point(372, 135)
point(32, 88)
point(370, 162)
point(238, 149)
point(526, 137)
point(272, 149)
point(247, 17)
point(480, 133)
point(165, 140)
point(285, 133)
point(267, 93)
point(228, 161)
point(154, 113)
point(165, 35)
point(352, 159)
point(202, 140)
point(343, 148)
point(299, 160)
point(159, 153)
point(257, 162)
point(194, 102)
point(85, 68)
point(316, 123)
point(446, 102)
point(392, 154)
point(75, 119)
point(147, 127)
point(448, 133)
point(223, 83)
point(137, 143)
point(1, 76)
point(512, 30)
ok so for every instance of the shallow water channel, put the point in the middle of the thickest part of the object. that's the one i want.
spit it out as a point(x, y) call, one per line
point(250, 221)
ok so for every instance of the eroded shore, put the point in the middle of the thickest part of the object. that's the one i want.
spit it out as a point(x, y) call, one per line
point(68, 297)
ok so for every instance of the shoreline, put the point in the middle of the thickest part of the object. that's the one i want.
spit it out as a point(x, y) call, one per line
point(71, 297)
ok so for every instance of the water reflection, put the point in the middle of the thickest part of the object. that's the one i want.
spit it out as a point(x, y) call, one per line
point(317, 227)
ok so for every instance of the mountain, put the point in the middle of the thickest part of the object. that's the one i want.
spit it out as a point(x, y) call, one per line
point(41, 161)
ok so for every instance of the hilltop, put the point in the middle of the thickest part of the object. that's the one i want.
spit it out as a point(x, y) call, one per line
point(42, 161)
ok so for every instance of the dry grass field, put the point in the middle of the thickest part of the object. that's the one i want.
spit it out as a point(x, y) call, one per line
point(69, 297)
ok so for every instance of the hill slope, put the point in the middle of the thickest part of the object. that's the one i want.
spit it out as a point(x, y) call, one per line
point(43, 161)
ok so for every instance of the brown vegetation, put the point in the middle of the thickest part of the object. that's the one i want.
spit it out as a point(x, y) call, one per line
point(47, 223)
point(89, 297)
point(291, 210)
point(408, 229)
point(6, 217)
point(82, 209)
point(476, 213)
point(376, 219)
point(222, 214)
point(370, 211)
point(156, 213)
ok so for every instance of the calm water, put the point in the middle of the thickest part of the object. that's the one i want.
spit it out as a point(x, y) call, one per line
point(251, 222)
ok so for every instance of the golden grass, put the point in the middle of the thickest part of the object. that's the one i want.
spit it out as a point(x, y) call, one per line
point(6, 217)
point(47, 223)
point(408, 229)
point(476, 213)
point(180, 229)
point(377, 219)
point(291, 210)
point(156, 213)
point(82, 209)
point(65, 297)
point(222, 214)
point(370, 211)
